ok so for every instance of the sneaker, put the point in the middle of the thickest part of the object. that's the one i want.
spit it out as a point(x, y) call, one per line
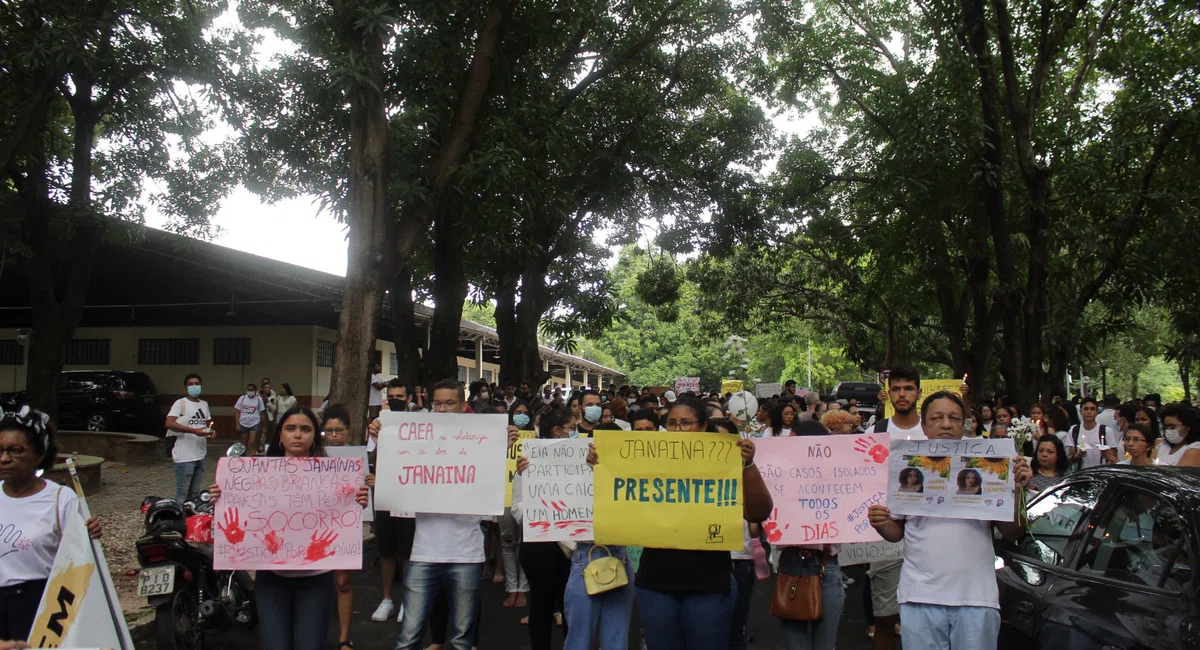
point(400, 616)
point(384, 611)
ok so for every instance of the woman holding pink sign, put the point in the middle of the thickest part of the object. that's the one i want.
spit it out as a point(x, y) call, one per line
point(294, 604)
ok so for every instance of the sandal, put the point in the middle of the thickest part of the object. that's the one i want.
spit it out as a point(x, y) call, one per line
point(346, 644)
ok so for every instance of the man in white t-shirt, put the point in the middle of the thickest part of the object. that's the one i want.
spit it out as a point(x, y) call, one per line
point(1091, 443)
point(375, 398)
point(190, 421)
point(948, 595)
point(251, 416)
point(447, 557)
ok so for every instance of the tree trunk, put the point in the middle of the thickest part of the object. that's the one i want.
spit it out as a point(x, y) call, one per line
point(367, 219)
point(449, 292)
point(1185, 375)
point(517, 326)
point(405, 334)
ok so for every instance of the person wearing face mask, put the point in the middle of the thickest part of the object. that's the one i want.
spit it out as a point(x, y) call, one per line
point(251, 417)
point(336, 432)
point(190, 422)
point(1180, 446)
point(294, 604)
point(515, 583)
point(589, 403)
point(393, 535)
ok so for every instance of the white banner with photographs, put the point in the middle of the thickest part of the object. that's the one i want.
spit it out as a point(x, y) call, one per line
point(959, 479)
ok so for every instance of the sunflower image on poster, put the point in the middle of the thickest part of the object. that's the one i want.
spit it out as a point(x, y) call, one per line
point(997, 467)
point(937, 464)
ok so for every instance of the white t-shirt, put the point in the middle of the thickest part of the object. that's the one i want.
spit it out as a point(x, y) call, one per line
point(448, 539)
point(250, 411)
point(896, 431)
point(376, 398)
point(743, 554)
point(1092, 437)
point(1107, 417)
point(30, 532)
point(1166, 458)
point(190, 447)
point(948, 562)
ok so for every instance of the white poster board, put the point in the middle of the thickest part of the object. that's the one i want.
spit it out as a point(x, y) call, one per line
point(449, 463)
point(868, 552)
point(556, 491)
point(687, 385)
point(79, 607)
point(358, 451)
point(959, 479)
point(767, 391)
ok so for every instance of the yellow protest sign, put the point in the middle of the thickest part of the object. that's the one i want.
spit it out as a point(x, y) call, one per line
point(929, 387)
point(514, 452)
point(665, 489)
point(731, 386)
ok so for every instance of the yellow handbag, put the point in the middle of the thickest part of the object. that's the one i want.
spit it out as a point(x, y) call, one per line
point(604, 574)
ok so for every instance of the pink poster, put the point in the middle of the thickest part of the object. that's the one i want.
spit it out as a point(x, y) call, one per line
point(822, 486)
point(288, 513)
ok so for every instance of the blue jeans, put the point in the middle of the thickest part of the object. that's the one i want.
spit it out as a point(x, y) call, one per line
point(743, 575)
point(674, 621)
point(942, 627)
point(189, 479)
point(608, 612)
point(822, 634)
point(423, 581)
point(294, 613)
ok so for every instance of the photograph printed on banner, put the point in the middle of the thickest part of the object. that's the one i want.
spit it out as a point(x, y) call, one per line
point(964, 479)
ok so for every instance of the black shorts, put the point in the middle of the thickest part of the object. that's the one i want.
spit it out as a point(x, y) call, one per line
point(394, 535)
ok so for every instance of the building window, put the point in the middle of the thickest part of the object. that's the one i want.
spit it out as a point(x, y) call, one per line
point(231, 352)
point(462, 374)
point(90, 352)
point(324, 354)
point(393, 364)
point(169, 352)
point(11, 353)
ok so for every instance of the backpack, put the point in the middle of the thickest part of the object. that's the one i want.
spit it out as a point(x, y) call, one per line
point(881, 425)
point(1074, 433)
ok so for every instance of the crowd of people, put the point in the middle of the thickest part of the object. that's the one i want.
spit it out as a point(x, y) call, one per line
point(943, 591)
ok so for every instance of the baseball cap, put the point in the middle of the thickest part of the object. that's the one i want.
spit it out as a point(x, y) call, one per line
point(670, 396)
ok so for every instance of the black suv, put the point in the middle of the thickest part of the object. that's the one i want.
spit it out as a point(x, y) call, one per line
point(867, 393)
point(103, 400)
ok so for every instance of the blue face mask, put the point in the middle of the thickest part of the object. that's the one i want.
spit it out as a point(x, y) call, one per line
point(521, 420)
point(592, 413)
point(573, 434)
point(193, 391)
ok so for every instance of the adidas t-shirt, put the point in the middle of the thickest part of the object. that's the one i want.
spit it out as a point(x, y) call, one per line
point(190, 447)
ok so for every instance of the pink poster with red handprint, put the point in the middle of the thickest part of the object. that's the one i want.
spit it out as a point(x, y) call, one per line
point(288, 513)
point(822, 486)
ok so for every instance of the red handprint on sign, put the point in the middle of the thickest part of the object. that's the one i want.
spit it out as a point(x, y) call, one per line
point(273, 542)
point(232, 528)
point(872, 448)
point(319, 548)
point(774, 532)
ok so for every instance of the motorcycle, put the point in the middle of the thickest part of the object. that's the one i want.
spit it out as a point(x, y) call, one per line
point(177, 577)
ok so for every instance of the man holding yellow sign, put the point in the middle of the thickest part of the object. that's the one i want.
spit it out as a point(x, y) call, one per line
point(682, 495)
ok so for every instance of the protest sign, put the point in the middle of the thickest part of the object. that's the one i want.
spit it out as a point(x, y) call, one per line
point(298, 513)
point(514, 452)
point(960, 479)
point(687, 385)
point(556, 499)
point(767, 391)
point(450, 463)
point(928, 387)
point(79, 607)
point(822, 486)
point(359, 451)
point(731, 386)
point(669, 490)
point(868, 552)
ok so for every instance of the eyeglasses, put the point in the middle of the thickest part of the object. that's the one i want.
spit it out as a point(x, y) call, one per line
point(16, 451)
point(681, 425)
point(1131, 439)
point(445, 406)
point(335, 432)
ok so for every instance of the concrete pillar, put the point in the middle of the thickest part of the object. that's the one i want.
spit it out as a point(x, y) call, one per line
point(567, 372)
point(585, 378)
point(479, 358)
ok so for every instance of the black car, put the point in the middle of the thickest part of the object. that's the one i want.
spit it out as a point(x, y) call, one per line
point(1107, 564)
point(103, 400)
point(867, 393)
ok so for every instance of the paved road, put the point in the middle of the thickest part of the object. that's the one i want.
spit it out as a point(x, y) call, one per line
point(502, 629)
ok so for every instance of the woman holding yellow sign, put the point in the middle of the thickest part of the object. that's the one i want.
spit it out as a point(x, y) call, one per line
point(686, 598)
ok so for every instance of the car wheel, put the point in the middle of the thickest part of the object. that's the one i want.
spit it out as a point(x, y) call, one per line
point(97, 422)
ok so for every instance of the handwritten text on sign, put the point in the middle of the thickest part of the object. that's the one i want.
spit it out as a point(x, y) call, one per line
point(441, 463)
point(514, 452)
point(669, 490)
point(288, 513)
point(557, 491)
point(960, 479)
point(822, 487)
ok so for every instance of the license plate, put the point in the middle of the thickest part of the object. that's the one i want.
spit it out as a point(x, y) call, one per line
point(156, 581)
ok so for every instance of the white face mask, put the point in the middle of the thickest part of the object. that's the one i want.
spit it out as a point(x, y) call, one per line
point(484, 395)
point(1173, 436)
